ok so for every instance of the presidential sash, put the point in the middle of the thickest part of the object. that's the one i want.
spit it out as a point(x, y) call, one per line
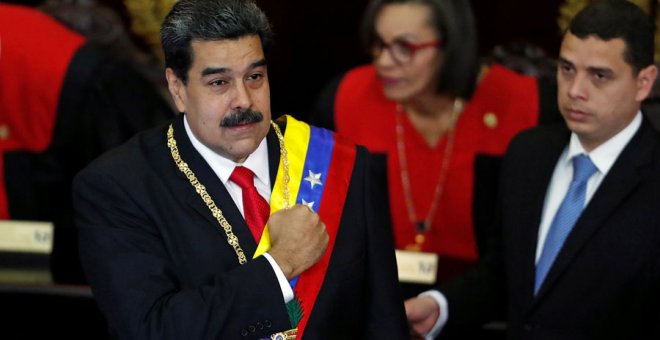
point(320, 167)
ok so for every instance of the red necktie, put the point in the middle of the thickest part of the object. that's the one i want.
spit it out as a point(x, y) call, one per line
point(255, 207)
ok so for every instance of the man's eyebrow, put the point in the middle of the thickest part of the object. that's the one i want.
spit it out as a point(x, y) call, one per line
point(214, 70)
point(591, 69)
point(258, 63)
point(602, 70)
point(564, 60)
point(223, 70)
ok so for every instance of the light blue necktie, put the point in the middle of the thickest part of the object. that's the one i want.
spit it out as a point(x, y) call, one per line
point(567, 214)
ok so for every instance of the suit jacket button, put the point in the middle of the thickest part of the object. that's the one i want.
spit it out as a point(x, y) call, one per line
point(267, 323)
point(252, 329)
point(244, 332)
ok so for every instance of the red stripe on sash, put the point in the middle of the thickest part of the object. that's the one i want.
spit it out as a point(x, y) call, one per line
point(330, 211)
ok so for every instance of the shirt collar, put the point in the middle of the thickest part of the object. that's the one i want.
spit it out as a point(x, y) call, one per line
point(223, 167)
point(606, 154)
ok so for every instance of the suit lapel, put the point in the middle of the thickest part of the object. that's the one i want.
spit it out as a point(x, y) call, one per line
point(273, 152)
point(215, 189)
point(626, 174)
point(539, 173)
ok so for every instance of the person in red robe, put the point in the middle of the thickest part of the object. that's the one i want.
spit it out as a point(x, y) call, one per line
point(63, 102)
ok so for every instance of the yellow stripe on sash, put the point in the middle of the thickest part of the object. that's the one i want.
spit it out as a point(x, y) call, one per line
point(296, 140)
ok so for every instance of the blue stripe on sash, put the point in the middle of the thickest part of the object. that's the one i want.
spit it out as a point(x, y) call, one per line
point(315, 171)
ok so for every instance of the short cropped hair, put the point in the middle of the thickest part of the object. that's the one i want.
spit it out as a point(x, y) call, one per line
point(454, 21)
point(209, 20)
point(611, 19)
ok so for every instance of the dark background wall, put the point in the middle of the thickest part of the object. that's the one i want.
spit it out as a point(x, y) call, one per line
point(318, 40)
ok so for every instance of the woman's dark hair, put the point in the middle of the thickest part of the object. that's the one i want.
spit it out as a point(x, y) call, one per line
point(611, 19)
point(209, 20)
point(454, 21)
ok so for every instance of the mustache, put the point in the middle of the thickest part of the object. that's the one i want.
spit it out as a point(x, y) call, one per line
point(241, 117)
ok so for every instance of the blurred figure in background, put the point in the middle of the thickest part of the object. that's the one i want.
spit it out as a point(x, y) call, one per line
point(442, 118)
point(130, 29)
point(63, 101)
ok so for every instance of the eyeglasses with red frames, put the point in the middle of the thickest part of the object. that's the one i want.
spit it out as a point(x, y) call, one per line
point(402, 51)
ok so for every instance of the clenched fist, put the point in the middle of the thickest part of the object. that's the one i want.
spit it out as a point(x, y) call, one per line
point(298, 239)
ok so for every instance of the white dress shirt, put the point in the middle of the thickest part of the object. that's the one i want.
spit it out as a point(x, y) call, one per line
point(603, 158)
point(257, 162)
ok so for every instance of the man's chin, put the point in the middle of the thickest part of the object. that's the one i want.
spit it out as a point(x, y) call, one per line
point(241, 148)
point(239, 156)
point(577, 129)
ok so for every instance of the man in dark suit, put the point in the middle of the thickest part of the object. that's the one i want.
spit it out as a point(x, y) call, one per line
point(578, 257)
point(169, 224)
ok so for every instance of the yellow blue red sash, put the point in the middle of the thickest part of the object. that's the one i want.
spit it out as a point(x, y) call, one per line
point(320, 168)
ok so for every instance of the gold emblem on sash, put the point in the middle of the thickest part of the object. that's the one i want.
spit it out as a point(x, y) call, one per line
point(286, 335)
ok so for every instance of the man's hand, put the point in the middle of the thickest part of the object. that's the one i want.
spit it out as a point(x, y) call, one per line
point(298, 239)
point(422, 313)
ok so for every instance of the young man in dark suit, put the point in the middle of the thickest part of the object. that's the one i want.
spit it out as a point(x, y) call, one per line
point(172, 233)
point(578, 257)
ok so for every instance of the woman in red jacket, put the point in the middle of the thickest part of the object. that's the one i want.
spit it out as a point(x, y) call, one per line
point(442, 119)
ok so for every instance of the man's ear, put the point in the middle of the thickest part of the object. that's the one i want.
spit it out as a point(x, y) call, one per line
point(645, 81)
point(177, 89)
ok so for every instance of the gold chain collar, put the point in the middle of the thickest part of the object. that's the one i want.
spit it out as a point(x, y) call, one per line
point(232, 239)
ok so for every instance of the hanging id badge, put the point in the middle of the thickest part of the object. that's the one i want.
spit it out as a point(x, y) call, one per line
point(417, 267)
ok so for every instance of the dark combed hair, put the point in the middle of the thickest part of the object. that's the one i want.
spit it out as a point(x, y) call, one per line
point(209, 20)
point(611, 19)
point(454, 21)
